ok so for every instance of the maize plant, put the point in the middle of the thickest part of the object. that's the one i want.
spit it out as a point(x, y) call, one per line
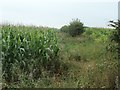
point(29, 49)
point(116, 35)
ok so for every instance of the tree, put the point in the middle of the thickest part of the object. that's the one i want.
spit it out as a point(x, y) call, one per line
point(76, 28)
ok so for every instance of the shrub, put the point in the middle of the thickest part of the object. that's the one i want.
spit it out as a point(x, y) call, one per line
point(76, 28)
point(65, 29)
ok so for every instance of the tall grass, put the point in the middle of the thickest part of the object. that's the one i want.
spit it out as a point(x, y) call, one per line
point(92, 64)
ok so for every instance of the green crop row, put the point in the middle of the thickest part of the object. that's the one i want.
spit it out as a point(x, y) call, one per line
point(98, 34)
point(29, 51)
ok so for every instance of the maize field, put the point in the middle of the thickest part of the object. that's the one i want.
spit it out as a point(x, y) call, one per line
point(28, 50)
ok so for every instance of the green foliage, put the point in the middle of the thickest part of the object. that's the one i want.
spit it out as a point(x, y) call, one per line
point(65, 29)
point(98, 34)
point(76, 27)
point(116, 35)
point(115, 38)
point(28, 50)
point(91, 65)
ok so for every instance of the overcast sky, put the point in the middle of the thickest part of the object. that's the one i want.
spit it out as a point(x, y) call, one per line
point(56, 13)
